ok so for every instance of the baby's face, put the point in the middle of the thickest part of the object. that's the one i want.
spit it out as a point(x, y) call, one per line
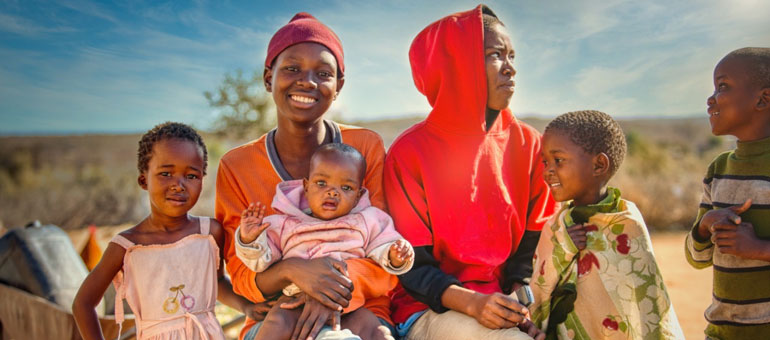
point(333, 187)
point(568, 169)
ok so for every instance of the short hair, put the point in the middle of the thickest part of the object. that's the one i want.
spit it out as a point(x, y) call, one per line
point(167, 130)
point(595, 132)
point(343, 150)
point(758, 63)
point(489, 18)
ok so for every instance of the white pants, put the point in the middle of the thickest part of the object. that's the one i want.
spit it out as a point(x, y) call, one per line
point(453, 325)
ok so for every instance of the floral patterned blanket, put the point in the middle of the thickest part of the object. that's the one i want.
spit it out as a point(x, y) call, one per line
point(610, 290)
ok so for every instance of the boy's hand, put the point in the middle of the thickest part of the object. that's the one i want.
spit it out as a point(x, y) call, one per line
point(578, 235)
point(400, 252)
point(251, 222)
point(740, 240)
point(721, 217)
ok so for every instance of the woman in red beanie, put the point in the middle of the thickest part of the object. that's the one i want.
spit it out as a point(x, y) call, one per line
point(304, 71)
point(474, 219)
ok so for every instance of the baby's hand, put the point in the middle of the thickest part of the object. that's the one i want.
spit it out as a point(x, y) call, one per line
point(400, 252)
point(251, 222)
point(578, 235)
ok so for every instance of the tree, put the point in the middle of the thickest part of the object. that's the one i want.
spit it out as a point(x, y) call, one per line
point(245, 107)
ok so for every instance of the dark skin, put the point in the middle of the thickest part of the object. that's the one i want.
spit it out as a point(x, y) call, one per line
point(577, 232)
point(494, 311)
point(173, 181)
point(304, 81)
point(739, 107)
point(574, 174)
point(281, 322)
point(307, 70)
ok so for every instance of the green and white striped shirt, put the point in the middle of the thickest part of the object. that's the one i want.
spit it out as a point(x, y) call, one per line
point(740, 307)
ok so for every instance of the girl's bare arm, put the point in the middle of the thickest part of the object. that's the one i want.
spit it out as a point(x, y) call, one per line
point(225, 292)
point(92, 291)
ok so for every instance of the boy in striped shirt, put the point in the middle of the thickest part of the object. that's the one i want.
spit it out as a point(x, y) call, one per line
point(732, 230)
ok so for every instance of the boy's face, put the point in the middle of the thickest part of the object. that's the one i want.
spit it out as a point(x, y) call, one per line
point(498, 62)
point(304, 82)
point(731, 107)
point(333, 187)
point(570, 171)
point(174, 177)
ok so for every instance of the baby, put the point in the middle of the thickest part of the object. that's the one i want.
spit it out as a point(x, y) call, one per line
point(326, 214)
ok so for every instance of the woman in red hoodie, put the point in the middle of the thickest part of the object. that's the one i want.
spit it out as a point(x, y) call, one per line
point(465, 187)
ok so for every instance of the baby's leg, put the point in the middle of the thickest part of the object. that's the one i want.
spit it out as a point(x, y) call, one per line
point(279, 323)
point(366, 325)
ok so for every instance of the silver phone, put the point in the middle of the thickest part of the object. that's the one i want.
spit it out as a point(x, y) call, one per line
point(524, 294)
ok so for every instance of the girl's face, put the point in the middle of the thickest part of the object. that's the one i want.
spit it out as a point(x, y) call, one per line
point(498, 62)
point(174, 177)
point(569, 170)
point(304, 82)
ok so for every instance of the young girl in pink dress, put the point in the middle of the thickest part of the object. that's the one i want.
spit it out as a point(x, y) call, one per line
point(168, 266)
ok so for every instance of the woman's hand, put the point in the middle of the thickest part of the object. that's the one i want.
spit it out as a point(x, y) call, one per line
point(323, 279)
point(496, 311)
point(314, 316)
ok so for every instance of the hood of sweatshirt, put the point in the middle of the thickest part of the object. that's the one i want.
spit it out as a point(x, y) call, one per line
point(468, 193)
point(290, 200)
point(447, 60)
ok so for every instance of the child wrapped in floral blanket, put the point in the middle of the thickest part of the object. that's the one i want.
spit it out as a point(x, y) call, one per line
point(595, 276)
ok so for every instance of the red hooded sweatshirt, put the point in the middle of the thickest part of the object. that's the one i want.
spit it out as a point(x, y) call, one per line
point(464, 194)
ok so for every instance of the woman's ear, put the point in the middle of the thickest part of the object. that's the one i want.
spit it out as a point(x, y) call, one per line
point(601, 164)
point(267, 78)
point(142, 180)
point(340, 82)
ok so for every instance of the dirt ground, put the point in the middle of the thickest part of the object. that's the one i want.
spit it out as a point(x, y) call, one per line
point(689, 288)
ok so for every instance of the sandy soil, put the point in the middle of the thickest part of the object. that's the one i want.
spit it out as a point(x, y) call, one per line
point(689, 288)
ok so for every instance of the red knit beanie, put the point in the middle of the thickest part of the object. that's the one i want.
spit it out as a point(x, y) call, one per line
point(304, 27)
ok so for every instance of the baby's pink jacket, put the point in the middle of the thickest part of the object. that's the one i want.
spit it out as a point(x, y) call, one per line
point(294, 233)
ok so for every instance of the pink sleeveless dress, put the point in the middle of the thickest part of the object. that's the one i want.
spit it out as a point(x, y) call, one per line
point(171, 288)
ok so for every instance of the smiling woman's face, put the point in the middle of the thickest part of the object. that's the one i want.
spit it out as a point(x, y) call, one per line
point(304, 82)
point(498, 62)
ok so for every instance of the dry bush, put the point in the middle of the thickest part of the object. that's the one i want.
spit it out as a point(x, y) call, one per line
point(67, 181)
point(74, 181)
point(663, 175)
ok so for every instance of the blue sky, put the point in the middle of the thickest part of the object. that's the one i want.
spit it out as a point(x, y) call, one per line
point(85, 66)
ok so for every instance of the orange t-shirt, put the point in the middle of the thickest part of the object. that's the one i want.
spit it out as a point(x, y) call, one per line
point(250, 173)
